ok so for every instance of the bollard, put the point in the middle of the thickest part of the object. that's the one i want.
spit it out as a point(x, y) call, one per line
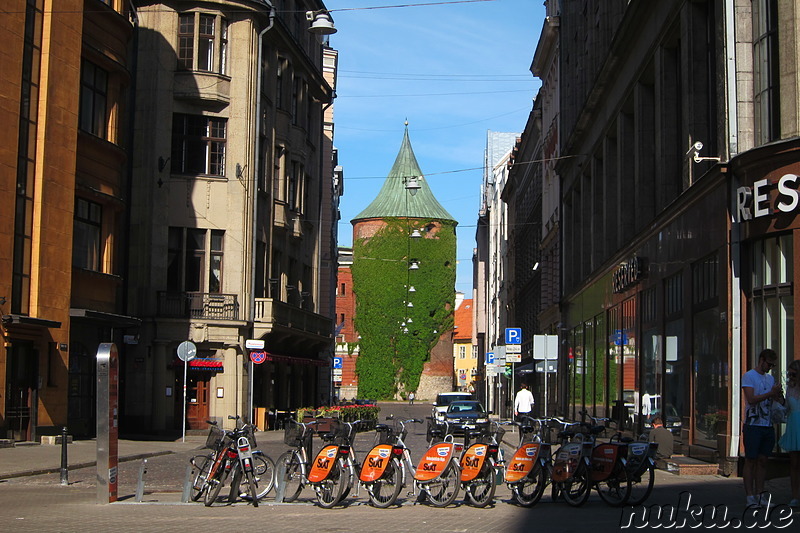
point(64, 465)
point(280, 482)
point(140, 482)
point(187, 483)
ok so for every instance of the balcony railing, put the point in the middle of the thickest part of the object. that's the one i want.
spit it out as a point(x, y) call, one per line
point(279, 313)
point(198, 305)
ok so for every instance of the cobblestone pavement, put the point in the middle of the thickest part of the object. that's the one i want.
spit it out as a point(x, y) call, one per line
point(40, 503)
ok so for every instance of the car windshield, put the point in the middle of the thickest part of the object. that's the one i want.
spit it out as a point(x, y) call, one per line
point(446, 399)
point(461, 407)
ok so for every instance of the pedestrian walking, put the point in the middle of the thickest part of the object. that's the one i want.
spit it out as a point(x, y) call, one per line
point(523, 403)
point(759, 390)
point(790, 440)
point(411, 397)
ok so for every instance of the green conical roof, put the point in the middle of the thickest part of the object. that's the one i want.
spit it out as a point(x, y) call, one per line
point(394, 200)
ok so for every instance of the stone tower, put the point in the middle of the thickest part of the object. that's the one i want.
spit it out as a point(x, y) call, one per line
point(404, 280)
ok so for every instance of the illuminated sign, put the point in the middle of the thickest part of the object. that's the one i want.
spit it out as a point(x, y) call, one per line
point(755, 202)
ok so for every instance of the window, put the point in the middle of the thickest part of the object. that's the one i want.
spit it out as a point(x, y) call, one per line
point(765, 70)
point(94, 98)
point(202, 42)
point(280, 72)
point(474, 352)
point(198, 145)
point(87, 242)
point(462, 352)
point(194, 260)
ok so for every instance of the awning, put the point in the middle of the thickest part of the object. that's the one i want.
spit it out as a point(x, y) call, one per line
point(24, 320)
point(275, 358)
point(112, 319)
point(200, 363)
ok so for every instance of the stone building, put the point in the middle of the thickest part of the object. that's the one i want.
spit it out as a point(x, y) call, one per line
point(233, 174)
point(64, 192)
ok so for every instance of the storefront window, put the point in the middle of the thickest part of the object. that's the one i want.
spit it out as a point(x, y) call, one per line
point(601, 367)
point(676, 367)
point(589, 368)
point(772, 307)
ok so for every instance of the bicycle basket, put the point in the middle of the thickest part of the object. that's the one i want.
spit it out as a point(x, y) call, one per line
point(215, 437)
point(498, 434)
point(343, 434)
point(250, 433)
point(385, 435)
point(294, 434)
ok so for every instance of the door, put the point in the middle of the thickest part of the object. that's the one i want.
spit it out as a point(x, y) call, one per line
point(23, 369)
point(197, 387)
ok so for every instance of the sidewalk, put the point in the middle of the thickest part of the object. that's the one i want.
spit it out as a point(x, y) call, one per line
point(30, 459)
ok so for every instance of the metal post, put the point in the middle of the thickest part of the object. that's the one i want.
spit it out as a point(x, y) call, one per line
point(280, 481)
point(187, 483)
point(64, 464)
point(140, 482)
point(183, 422)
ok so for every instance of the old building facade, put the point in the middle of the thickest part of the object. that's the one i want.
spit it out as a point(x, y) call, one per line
point(234, 151)
point(64, 190)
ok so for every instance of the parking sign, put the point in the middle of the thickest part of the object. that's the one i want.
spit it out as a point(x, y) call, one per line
point(513, 335)
point(337, 362)
point(489, 358)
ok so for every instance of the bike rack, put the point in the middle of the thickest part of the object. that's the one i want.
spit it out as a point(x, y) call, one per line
point(187, 483)
point(280, 482)
point(140, 482)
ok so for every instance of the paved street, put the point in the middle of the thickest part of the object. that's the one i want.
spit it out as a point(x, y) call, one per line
point(40, 503)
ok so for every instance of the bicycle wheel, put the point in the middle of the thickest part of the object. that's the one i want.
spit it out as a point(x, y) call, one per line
point(384, 492)
point(351, 473)
point(576, 490)
point(642, 486)
point(480, 491)
point(331, 490)
point(251, 485)
point(293, 475)
point(616, 489)
point(443, 490)
point(529, 490)
point(203, 465)
point(263, 474)
point(215, 485)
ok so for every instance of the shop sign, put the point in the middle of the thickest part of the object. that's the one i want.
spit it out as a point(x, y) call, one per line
point(628, 274)
point(754, 202)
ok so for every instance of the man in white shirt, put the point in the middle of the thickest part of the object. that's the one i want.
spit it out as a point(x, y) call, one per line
point(523, 403)
point(759, 390)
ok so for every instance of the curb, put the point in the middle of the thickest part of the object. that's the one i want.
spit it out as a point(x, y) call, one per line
point(28, 473)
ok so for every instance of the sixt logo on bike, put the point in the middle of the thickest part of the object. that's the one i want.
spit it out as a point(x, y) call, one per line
point(384, 453)
point(331, 453)
point(480, 452)
point(530, 452)
point(443, 452)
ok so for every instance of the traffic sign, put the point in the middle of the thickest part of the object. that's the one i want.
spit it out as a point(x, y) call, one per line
point(489, 358)
point(187, 351)
point(545, 347)
point(338, 362)
point(254, 344)
point(513, 348)
point(513, 357)
point(513, 335)
point(258, 356)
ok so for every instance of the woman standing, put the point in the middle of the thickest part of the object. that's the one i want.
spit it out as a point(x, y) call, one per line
point(790, 441)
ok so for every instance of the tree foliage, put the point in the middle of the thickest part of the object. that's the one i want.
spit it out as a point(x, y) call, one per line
point(391, 359)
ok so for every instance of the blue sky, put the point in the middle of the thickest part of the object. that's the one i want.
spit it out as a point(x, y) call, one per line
point(454, 71)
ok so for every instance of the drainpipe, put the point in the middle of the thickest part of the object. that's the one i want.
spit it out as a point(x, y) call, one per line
point(735, 245)
point(254, 201)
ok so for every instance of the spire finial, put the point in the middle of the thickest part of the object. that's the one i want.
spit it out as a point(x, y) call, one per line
point(406, 123)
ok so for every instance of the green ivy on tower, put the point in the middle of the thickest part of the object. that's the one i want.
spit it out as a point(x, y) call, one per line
point(390, 359)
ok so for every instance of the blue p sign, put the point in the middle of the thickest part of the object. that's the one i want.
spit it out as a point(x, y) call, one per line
point(489, 358)
point(337, 362)
point(513, 335)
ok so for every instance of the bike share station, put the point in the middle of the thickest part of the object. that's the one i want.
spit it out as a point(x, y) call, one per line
point(107, 422)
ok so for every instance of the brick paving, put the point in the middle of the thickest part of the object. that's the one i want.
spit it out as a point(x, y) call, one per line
point(40, 503)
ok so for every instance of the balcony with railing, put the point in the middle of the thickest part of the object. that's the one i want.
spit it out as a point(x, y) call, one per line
point(198, 305)
point(275, 312)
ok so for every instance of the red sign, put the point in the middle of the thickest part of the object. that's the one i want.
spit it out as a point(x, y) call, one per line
point(258, 357)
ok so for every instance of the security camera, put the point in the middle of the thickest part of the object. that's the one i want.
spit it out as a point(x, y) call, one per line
point(695, 149)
